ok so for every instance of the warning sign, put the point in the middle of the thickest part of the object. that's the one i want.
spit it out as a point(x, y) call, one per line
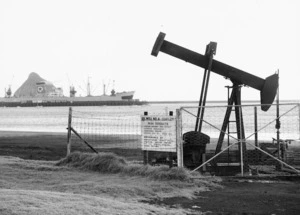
point(159, 133)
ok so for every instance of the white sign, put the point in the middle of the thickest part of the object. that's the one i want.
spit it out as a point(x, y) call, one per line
point(159, 133)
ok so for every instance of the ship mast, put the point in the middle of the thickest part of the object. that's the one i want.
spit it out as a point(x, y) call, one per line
point(113, 92)
point(72, 90)
point(88, 87)
point(8, 92)
point(104, 90)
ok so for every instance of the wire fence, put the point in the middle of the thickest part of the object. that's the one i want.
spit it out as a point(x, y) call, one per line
point(265, 146)
point(112, 131)
point(260, 141)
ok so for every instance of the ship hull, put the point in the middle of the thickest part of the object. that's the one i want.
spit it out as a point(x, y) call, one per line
point(119, 99)
point(30, 103)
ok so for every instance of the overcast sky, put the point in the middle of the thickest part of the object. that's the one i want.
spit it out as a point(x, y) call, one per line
point(67, 41)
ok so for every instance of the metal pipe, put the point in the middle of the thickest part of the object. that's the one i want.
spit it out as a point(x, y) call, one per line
point(241, 141)
point(255, 126)
point(278, 126)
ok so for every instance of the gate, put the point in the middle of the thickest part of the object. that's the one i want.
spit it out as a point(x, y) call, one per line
point(252, 142)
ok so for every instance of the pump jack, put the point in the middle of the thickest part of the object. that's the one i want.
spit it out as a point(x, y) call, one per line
point(267, 87)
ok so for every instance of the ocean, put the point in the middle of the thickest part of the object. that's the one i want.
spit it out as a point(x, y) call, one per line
point(126, 119)
point(55, 119)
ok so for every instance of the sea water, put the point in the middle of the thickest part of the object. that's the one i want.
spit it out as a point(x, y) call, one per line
point(55, 119)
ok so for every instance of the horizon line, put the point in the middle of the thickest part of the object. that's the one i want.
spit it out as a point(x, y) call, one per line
point(212, 101)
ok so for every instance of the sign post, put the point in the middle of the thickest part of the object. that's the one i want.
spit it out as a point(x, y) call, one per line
point(179, 141)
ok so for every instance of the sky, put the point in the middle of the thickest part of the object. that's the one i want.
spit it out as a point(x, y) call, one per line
point(69, 42)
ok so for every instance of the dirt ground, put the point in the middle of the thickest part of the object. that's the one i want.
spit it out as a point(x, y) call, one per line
point(238, 195)
point(53, 146)
point(245, 197)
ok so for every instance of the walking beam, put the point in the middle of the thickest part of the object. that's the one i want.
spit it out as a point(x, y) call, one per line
point(267, 87)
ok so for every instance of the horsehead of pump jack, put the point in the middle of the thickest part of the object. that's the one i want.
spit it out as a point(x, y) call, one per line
point(267, 87)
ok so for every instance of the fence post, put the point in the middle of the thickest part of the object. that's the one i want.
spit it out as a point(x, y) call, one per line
point(241, 140)
point(179, 138)
point(170, 155)
point(299, 118)
point(69, 131)
point(145, 152)
point(255, 126)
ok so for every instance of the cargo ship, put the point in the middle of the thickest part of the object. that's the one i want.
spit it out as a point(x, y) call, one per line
point(36, 91)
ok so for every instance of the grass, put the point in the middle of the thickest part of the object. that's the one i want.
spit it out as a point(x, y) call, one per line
point(102, 162)
point(36, 185)
point(53, 146)
point(49, 203)
point(111, 163)
point(42, 187)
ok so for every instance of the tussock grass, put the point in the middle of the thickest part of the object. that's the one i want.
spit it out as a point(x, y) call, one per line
point(103, 162)
point(36, 202)
point(40, 187)
point(111, 163)
point(158, 173)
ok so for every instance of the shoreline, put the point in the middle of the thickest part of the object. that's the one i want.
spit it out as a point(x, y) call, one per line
point(7, 133)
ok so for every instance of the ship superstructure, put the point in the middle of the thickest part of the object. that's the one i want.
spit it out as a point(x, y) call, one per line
point(36, 91)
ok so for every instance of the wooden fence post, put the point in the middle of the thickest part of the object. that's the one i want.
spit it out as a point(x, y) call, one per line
point(145, 152)
point(179, 138)
point(69, 131)
point(170, 155)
